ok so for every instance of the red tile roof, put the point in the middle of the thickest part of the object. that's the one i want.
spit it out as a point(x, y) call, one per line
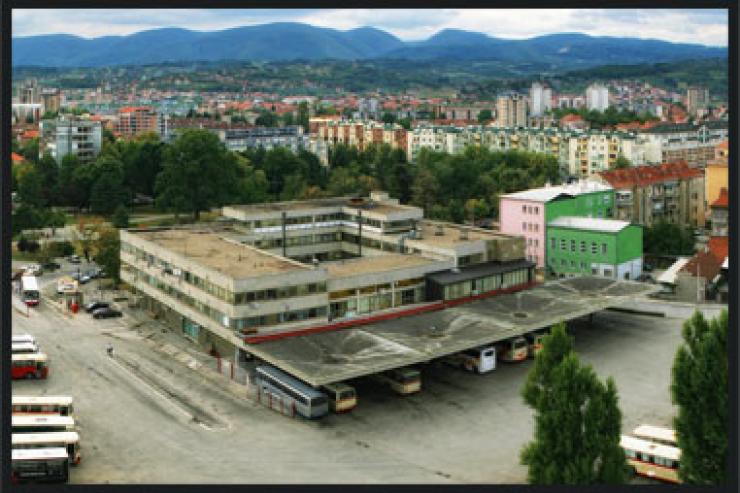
point(703, 264)
point(723, 145)
point(719, 247)
point(647, 175)
point(30, 134)
point(131, 109)
point(722, 201)
point(16, 158)
point(571, 118)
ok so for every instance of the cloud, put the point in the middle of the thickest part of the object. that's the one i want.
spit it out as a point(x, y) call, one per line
point(704, 26)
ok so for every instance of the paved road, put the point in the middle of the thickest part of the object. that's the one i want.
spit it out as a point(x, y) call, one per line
point(148, 419)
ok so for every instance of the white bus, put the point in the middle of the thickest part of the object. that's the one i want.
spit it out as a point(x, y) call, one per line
point(480, 359)
point(40, 465)
point(309, 402)
point(30, 290)
point(657, 434)
point(403, 381)
point(41, 423)
point(651, 459)
point(342, 397)
point(43, 404)
point(69, 440)
point(23, 338)
point(24, 348)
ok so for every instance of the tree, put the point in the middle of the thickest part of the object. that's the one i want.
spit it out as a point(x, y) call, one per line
point(30, 188)
point(26, 217)
point(120, 217)
point(303, 113)
point(577, 420)
point(476, 208)
point(484, 116)
point(107, 252)
point(664, 238)
point(700, 389)
point(108, 192)
point(267, 119)
point(197, 173)
point(405, 123)
point(288, 119)
point(388, 117)
point(622, 162)
point(49, 171)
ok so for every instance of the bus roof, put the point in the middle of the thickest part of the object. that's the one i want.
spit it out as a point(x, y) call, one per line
point(648, 447)
point(29, 283)
point(23, 338)
point(50, 437)
point(23, 345)
point(42, 399)
point(657, 432)
point(303, 387)
point(40, 453)
point(29, 357)
point(41, 419)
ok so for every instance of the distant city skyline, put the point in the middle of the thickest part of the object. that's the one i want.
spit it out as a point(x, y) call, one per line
point(699, 26)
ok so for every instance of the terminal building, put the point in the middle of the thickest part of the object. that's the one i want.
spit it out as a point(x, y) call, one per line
point(287, 267)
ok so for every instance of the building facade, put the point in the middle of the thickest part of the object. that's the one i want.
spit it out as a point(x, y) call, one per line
point(583, 246)
point(528, 212)
point(671, 192)
point(136, 120)
point(540, 99)
point(716, 174)
point(697, 98)
point(597, 97)
point(511, 111)
point(79, 137)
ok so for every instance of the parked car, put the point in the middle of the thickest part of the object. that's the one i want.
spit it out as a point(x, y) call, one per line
point(74, 259)
point(33, 270)
point(93, 273)
point(94, 305)
point(51, 265)
point(106, 312)
point(84, 279)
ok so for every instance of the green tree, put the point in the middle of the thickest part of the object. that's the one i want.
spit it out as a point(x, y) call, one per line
point(142, 162)
point(664, 238)
point(622, 162)
point(26, 217)
point(577, 419)
point(49, 171)
point(267, 119)
point(107, 248)
point(120, 217)
point(484, 116)
point(388, 117)
point(303, 114)
point(30, 188)
point(288, 119)
point(700, 390)
point(405, 122)
point(108, 192)
point(197, 173)
point(30, 150)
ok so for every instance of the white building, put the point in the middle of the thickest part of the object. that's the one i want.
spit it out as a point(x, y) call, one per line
point(540, 99)
point(597, 97)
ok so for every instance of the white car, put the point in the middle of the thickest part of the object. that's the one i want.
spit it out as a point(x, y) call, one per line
point(32, 269)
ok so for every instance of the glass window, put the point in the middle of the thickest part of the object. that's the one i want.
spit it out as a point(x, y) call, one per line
point(524, 209)
point(572, 245)
point(563, 244)
point(524, 226)
point(553, 243)
point(593, 247)
point(536, 210)
point(583, 247)
point(603, 248)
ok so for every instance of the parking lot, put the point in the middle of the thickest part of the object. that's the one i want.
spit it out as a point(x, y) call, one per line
point(147, 418)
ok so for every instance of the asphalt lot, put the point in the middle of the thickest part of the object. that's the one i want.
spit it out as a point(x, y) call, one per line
point(144, 418)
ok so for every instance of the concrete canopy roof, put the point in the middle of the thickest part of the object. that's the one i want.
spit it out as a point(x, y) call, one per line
point(344, 354)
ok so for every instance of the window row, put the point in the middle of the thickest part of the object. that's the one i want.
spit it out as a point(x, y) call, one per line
point(528, 209)
point(531, 227)
point(578, 246)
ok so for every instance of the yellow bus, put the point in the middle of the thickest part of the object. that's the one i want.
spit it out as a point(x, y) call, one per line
point(69, 440)
point(651, 459)
point(657, 434)
point(342, 397)
point(403, 381)
point(43, 404)
point(512, 350)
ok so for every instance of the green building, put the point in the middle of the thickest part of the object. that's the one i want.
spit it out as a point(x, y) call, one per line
point(578, 246)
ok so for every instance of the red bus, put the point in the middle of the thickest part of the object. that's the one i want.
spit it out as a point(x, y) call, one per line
point(29, 366)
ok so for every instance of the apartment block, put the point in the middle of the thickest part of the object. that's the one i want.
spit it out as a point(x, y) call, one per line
point(716, 174)
point(135, 120)
point(511, 110)
point(63, 136)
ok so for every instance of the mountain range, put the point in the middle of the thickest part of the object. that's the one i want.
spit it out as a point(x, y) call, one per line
point(295, 41)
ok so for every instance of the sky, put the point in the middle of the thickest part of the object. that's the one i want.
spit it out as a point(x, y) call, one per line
point(701, 26)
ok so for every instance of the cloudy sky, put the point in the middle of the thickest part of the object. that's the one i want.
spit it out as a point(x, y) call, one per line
point(703, 26)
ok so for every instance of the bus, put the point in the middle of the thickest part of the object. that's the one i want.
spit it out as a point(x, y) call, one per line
point(69, 440)
point(404, 381)
point(512, 350)
point(24, 348)
point(23, 338)
point(651, 459)
point(534, 342)
point(33, 365)
point(40, 465)
point(44, 404)
point(342, 397)
point(309, 402)
point(41, 423)
point(30, 290)
point(657, 434)
point(479, 360)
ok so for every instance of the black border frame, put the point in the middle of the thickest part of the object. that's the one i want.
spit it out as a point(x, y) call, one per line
point(5, 259)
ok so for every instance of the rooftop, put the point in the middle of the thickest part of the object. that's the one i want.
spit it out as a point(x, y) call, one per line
point(343, 354)
point(704, 265)
point(719, 247)
point(213, 251)
point(647, 175)
point(379, 263)
point(723, 201)
point(451, 234)
point(547, 193)
point(589, 224)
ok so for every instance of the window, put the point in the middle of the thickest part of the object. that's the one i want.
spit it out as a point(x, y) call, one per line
point(603, 248)
point(593, 247)
point(607, 273)
point(529, 209)
point(583, 247)
point(529, 226)
point(536, 210)
point(537, 226)
point(524, 226)
point(572, 245)
point(536, 242)
point(524, 209)
point(583, 265)
point(573, 263)
point(553, 243)
point(529, 241)
point(563, 244)
point(562, 261)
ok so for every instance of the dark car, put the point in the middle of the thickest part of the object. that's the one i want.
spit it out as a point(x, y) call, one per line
point(94, 305)
point(106, 312)
point(51, 266)
point(93, 273)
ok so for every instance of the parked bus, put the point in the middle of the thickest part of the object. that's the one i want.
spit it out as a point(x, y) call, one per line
point(40, 465)
point(24, 338)
point(480, 359)
point(402, 380)
point(651, 459)
point(69, 440)
point(515, 349)
point(41, 423)
point(24, 348)
point(534, 342)
point(33, 365)
point(342, 397)
point(309, 402)
point(44, 404)
point(657, 434)
point(30, 290)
